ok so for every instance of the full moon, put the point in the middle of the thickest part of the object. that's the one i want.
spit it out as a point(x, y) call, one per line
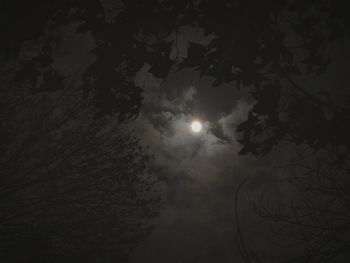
point(196, 126)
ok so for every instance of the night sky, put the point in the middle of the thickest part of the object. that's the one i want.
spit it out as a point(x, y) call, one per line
point(202, 171)
point(198, 173)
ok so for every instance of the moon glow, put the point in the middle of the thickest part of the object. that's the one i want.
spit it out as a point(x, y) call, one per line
point(196, 126)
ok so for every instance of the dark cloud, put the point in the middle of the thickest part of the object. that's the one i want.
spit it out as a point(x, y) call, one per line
point(208, 102)
point(200, 172)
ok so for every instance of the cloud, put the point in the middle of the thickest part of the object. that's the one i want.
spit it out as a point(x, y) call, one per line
point(230, 122)
point(200, 172)
point(188, 94)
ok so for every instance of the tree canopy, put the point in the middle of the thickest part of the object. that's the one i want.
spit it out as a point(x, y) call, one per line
point(72, 187)
point(266, 46)
point(263, 48)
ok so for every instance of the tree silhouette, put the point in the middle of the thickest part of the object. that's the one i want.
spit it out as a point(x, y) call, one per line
point(72, 187)
point(249, 45)
point(315, 219)
point(266, 48)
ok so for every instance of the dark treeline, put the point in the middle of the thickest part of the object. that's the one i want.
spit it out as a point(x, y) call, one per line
point(60, 134)
point(75, 183)
point(73, 188)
